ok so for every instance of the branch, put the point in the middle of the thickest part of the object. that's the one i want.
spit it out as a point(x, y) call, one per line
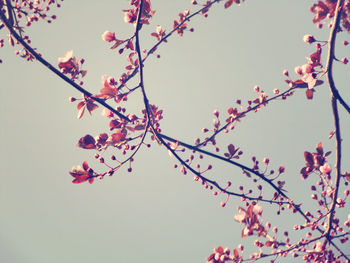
point(243, 167)
point(331, 55)
point(56, 71)
point(204, 179)
point(334, 98)
point(242, 114)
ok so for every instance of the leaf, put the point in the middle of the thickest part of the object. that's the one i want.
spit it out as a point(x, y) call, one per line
point(318, 82)
point(319, 148)
point(85, 165)
point(235, 253)
point(87, 142)
point(117, 43)
point(309, 158)
point(231, 149)
point(303, 171)
point(113, 124)
point(80, 105)
point(309, 94)
point(91, 106)
point(327, 153)
point(228, 3)
point(109, 92)
point(139, 127)
point(81, 113)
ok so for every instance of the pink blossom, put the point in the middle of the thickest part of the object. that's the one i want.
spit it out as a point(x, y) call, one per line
point(298, 70)
point(319, 247)
point(326, 169)
point(307, 68)
point(108, 36)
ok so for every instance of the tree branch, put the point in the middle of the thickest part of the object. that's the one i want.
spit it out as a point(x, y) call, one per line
point(56, 71)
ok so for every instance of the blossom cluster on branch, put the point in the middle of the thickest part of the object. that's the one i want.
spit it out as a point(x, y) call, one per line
point(128, 130)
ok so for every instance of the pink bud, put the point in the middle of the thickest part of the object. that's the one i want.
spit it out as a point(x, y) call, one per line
point(309, 39)
point(216, 113)
point(298, 70)
point(281, 169)
point(344, 61)
point(108, 36)
point(345, 43)
point(286, 73)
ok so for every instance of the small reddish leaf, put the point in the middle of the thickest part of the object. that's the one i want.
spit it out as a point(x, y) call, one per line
point(318, 83)
point(85, 165)
point(139, 127)
point(91, 106)
point(269, 243)
point(131, 45)
point(309, 158)
point(117, 43)
point(319, 148)
point(109, 92)
point(303, 171)
point(231, 149)
point(81, 113)
point(113, 124)
point(87, 142)
point(129, 128)
point(102, 138)
point(80, 105)
point(228, 3)
point(309, 94)
point(235, 253)
point(117, 137)
point(327, 153)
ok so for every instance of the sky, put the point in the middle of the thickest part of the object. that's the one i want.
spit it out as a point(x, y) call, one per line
point(154, 214)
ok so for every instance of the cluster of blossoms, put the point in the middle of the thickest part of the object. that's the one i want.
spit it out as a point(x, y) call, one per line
point(146, 12)
point(308, 72)
point(251, 218)
point(325, 10)
point(222, 255)
point(128, 132)
point(316, 161)
point(70, 65)
point(27, 12)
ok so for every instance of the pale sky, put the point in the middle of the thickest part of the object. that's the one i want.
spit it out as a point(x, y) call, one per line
point(154, 214)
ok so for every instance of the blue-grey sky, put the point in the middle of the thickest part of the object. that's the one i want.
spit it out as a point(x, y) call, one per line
point(154, 214)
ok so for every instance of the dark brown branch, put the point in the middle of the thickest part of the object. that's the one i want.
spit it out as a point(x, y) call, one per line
point(56, 71)
point(334, 98)
point(331, 55)
point(243, 167)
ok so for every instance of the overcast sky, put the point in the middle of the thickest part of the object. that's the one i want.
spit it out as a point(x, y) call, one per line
point(154, 214)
